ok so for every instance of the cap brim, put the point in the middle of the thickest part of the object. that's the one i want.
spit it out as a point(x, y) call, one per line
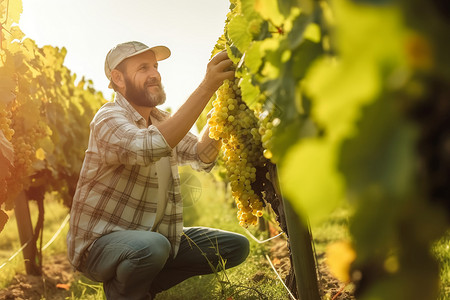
point(161, 52)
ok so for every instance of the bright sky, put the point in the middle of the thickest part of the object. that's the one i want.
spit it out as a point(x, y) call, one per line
point(89, 28)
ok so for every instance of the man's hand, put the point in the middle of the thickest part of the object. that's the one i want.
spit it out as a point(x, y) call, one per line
point(177, 126)
point(208, 148)
point(217, 71)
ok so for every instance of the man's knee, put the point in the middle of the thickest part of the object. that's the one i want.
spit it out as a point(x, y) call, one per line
point(240, 249)
point(146, 257)
point(243, 247)
point(162, 251)
point(154, 249)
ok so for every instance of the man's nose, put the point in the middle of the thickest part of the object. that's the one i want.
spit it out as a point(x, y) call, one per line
point(154, 73)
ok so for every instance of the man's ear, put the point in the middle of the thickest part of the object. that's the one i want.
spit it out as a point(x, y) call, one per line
point(118, 78)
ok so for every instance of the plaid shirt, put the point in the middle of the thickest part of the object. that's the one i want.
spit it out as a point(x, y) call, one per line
point(129, 179)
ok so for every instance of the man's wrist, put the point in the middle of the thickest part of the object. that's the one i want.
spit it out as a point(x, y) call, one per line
point(207, 87)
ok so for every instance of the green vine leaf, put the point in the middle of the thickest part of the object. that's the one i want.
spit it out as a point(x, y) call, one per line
point(238, 33)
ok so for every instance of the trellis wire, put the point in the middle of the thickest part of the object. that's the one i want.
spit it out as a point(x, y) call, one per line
point(261, 241)
point(279, 277)
point(63, 224)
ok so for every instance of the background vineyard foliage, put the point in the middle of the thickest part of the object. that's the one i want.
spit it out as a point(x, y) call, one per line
point(359, 91)
point(44, 118)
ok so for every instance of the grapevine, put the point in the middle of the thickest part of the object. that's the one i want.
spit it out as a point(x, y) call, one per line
point(349, 100)
point(44, 117)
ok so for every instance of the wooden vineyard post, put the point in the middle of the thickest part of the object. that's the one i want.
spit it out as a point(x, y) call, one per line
point(300, 241)
point(25, 227)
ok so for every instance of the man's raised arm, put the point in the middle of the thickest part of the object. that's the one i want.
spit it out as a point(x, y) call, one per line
point(177, 126)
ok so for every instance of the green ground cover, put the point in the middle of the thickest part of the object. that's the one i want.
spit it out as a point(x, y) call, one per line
point(254, 279)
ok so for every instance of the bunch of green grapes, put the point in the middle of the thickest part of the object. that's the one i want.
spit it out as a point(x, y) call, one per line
point(23, 159)
point(267, 124)
point(24, 142)
point(8, 132)
point(5, 123)
point(236, 124)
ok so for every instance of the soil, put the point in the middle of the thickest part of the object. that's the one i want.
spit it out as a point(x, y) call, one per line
point(58, 276)
point(54, 285)
point(330, 287)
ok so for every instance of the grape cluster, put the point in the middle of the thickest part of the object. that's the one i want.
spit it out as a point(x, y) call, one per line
point(5, 123)
point(24, 155)
point(267, 124)
point(236, 124)
point(8, 132)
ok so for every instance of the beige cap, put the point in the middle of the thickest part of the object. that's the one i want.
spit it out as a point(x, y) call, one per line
point(125, 50)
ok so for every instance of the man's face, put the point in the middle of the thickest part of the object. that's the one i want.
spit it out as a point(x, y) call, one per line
point(143, 81)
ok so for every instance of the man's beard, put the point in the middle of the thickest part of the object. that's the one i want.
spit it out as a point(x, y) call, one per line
point(142, 96)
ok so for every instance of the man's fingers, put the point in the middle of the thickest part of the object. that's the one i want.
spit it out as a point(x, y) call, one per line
point(219, 57)
point(228, 75)
point(218, 70)
point(224, 64)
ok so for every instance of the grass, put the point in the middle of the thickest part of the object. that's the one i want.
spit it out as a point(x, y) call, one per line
point(254, 279)
point(335, 228)
point(10, 243)
point(213, 209)
point(83, 288)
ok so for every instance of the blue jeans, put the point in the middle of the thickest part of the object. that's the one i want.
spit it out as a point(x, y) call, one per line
point(135, 264)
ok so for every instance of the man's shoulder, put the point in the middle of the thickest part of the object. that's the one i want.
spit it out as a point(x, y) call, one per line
point(110, 108)
point(111, 105)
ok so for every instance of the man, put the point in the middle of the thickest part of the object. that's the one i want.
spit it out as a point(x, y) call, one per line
point(126, 225)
